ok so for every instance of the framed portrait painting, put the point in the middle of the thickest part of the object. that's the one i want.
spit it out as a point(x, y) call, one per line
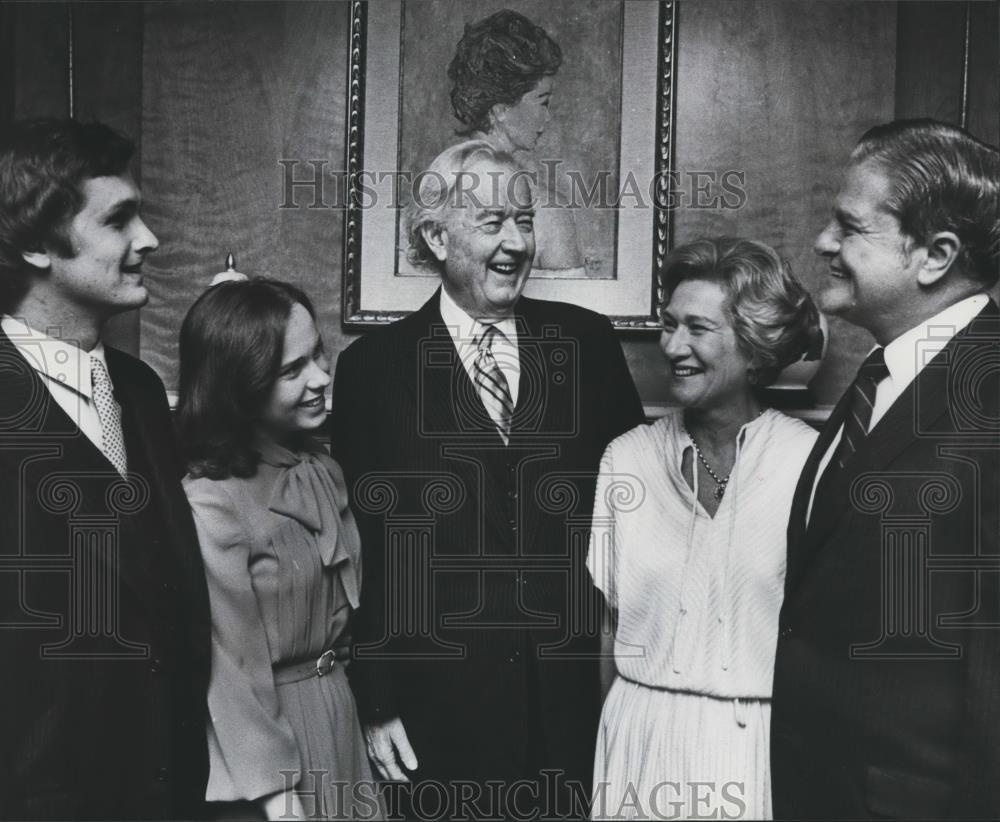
point(595, 136)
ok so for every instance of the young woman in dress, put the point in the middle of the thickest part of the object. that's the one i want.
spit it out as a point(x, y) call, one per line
point(281, 554)
point(688, 545)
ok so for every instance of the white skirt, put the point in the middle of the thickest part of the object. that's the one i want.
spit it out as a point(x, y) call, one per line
point(671, 755)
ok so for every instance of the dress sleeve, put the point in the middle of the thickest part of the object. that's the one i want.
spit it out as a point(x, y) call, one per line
point(602, 553)
point(250, 743)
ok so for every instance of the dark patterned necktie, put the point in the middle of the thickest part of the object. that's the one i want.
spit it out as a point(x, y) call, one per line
point(492, 384)
point(859, 415)
point(873, 370)
point(110, 414)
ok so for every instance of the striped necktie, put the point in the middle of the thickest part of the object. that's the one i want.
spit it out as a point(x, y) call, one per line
point(859, 414)
point(492, 384)
point(110, 414)
point(873, 370)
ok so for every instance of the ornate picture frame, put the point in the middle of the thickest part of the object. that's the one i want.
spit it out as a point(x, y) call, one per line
point(390, 57)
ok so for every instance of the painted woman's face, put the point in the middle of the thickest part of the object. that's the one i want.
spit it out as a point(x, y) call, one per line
point(518, 126)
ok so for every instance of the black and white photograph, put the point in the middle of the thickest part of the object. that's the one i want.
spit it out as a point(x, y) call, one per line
point(499, 409)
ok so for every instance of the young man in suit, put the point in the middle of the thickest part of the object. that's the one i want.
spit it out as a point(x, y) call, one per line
point(104, 624)
point(471, 433)
point(887, 681)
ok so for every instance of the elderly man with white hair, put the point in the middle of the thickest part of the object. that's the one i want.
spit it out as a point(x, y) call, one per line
point(471, 433)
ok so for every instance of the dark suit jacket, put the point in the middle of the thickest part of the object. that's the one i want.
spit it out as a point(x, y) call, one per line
point(105, 624)
point(887, 680)
point(478, 624)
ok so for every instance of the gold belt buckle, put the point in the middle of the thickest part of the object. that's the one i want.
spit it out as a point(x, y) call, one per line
point(325, 663)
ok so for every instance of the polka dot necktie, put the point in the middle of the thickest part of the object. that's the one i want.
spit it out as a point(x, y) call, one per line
point(492, 384)
point(110, 414)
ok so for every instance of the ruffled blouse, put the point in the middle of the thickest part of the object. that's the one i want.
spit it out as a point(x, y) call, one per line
point(282, 559)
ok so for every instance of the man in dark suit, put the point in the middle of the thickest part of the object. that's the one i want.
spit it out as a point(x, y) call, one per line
point(887, 680)
point(471, 433)
point(104, 624)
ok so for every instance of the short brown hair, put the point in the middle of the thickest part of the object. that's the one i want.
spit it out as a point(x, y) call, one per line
point(942, 179)
point(43, 165)
point(774, 318)
point(498, 60)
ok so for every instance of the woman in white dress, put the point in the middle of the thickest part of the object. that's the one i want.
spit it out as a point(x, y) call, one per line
point(688, 545)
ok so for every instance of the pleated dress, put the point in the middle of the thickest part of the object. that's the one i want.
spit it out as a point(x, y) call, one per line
point(685, 729)
point(282, 559)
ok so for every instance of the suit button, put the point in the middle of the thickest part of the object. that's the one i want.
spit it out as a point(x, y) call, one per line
point(785, 632)
point(155, 666)
point(162, 774)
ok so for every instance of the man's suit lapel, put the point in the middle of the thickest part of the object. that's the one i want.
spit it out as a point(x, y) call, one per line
point(918, 410)
point(152, 454)
point(28, 407)
point(451, 403)
point(797, 523)
point(893, 433)
point(536, 409)
point(539, 408)
point(78, 458)
point(39, 414)
point(431, 372)
point(450, 412)
point(433, 369)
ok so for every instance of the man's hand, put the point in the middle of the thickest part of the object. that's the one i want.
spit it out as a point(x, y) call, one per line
point(388, 746)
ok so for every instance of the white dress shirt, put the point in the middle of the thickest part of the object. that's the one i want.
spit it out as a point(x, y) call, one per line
point(465, 329)
point(905, 357)
point(64, 369)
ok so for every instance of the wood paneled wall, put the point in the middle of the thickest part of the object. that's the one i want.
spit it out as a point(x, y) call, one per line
point(781, 96)
point(217, 93)
point(229, 89)
point(8, 63)
point(930, 65)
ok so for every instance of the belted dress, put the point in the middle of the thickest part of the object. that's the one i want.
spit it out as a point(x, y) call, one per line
point(282, 557)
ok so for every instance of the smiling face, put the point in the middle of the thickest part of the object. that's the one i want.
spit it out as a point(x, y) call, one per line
point(873, 266)
point(707, 368)
point(486, 244)
point(109, 241)
point(518, 126)
point(297, 402)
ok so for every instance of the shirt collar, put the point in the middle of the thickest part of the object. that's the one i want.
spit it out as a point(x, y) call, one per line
point(464, 329)
point(906, 356)
point(57, 360)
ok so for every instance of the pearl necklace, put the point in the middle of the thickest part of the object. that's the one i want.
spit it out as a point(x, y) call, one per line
point(720, 482)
